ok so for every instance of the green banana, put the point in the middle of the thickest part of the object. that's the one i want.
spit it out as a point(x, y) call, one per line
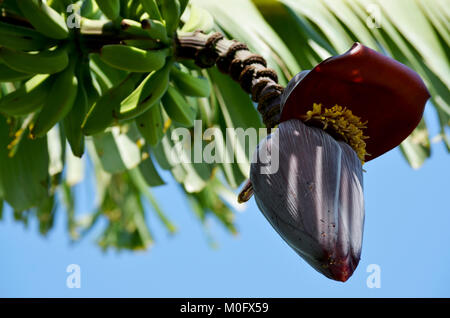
point(132, 28)
point(132, 59)
point(28, 98)
point(105, 110)
point(99, 77)
point(155, 29)
point(72, 122)
point(147, 28)
point(7, 74)
point(44, 19)
point(90, 10)
point(22, 38)
point(190, 85)
point(108, 73)
point(151, 89)
point(151, 7)
point(58, 103)
point(151, 125)
point(132, 8)
point(171, 11)
point(178, 108)
point(44, 62)
point(143, 44)
point(110, 8)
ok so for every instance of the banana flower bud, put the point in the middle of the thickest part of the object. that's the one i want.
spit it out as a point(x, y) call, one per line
point(349, 109)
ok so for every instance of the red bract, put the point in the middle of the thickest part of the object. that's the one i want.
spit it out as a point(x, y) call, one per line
point(387, 94)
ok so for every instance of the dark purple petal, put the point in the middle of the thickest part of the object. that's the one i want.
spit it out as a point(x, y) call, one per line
point(315, 199)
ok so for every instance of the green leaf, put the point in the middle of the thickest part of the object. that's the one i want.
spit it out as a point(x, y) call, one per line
point(74, 169)
point(68, 199)
point(46, 214)
point(127, 228)
point(23, 178)
point(149, 172)
point(238, 112)
point(163, 153)
point(189, 168)
point(351, 22)
point(139, 182)
point(103, 179)
point(324, 19)
point(437, 18)
point(199, 19)
point(416, 148)
point(56, 151)
point(210, 202)
point(291, 28)
point(116, 151)
point(407, 17)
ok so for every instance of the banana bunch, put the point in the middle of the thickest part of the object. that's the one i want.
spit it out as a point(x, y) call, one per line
point(44, 62)
point(21, 38)
point(39, 61)
point(115, 79)
point(59, 102)
point(28, 98)
point(34, 47)
point(56, 79)
point(133, 59)
point(44, 18)
point(7, 74)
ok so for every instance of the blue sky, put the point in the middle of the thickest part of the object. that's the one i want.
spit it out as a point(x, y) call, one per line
point(407, 233)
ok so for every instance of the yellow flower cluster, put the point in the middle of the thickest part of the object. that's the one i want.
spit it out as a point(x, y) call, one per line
point(342, 122)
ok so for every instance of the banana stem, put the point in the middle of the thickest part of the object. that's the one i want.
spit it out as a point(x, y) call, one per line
point(93, 34)
point(97, 33)
point(250, 70)
point(234, 58)
point(97, 27)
